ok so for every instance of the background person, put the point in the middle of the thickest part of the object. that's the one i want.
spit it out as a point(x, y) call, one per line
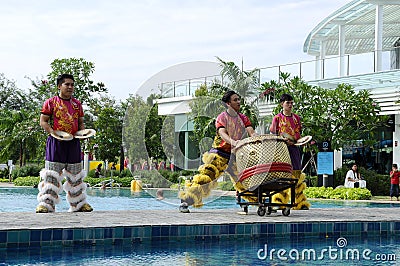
point(353, 178)
point(394, 182)
point(160, 194)
point(63, 158)
point(97, 172)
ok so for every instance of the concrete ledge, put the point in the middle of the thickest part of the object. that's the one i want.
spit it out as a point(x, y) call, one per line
point(31, 229)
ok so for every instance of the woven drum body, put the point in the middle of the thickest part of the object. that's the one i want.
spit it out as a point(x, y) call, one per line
point(262, 159)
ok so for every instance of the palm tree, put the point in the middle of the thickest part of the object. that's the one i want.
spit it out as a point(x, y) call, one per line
point(246, 84)
point(207, 104)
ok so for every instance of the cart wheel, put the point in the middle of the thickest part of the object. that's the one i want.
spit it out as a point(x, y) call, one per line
point(261, 211)
point(246, 209)
point(269, 210)
point(286, 211)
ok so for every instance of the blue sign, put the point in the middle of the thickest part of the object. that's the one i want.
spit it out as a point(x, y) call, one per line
point(325, 163)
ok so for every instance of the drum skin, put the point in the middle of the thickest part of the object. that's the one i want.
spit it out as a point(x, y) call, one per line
point(262, 159)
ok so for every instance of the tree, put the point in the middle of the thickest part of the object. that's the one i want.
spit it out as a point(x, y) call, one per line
point(21, 137)
point(20, 132)
point(243, 82)
point(133, 134)
point(85, 87)
point(205, 108)
point(207, 103)
point(153, 131)
point(108, 118)
point(145, 135)
point(246, 83)
point(339, 115)
point(11, 97)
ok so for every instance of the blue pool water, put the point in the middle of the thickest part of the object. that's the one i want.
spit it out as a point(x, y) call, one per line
point(263, 251)
point(24, 200)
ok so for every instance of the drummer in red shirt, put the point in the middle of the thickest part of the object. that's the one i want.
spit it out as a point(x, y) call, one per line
point(288, 125)
point(231, 126)
point(394, 182)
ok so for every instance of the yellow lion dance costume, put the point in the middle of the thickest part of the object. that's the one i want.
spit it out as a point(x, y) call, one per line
point(220, 159)
point(202, 183)
point(213, 167)
point(301, 200)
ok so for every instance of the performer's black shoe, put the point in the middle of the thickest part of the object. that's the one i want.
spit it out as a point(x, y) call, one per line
point(184, 208)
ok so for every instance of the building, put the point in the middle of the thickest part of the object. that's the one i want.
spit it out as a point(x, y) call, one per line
point(357, 44)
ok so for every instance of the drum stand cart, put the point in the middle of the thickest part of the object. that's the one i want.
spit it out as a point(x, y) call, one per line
point(264, 195)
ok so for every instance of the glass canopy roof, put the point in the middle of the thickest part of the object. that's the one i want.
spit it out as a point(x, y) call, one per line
point(358, 17)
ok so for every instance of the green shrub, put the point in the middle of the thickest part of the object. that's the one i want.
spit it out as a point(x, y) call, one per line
point(124, 181)
point(4, 174)
point(124, 173)
point(317, 192)
point(91, 181)
point(187, 173)
point(162, 178)
point(312, 181)
point(27, 181)
point(378, 184)
point(28, 170)
point(175, 186)
point(4, 180)
point(226, 186)
point(351, 193)
point(338, 193)
point(170, 176)
point(113, 173)
point(90, 174)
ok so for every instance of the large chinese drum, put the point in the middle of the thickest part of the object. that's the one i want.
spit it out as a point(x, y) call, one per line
point(262, 159)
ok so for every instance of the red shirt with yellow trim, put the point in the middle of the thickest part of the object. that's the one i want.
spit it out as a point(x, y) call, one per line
point(234, 125)
point(64, 113)
point(286, 124)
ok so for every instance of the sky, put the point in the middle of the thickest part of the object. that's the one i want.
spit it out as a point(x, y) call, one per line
point(129, 41)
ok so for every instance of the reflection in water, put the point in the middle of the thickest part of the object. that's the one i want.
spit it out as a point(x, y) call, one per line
point(24, 200)
point(211, 252)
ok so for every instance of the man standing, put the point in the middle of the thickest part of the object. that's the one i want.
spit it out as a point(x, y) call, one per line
point(231, 127)
point(288, 125)
point(63, 157)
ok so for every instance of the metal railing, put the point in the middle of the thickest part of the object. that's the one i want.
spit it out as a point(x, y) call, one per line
point(308, 70)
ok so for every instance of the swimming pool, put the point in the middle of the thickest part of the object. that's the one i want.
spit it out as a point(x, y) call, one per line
point(24, 200)
point(379, 250)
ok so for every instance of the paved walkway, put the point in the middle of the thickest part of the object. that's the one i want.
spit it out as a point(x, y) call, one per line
point(21, 220)
point(25, 220)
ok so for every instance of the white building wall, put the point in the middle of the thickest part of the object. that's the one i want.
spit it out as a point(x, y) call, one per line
point(396, 140)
